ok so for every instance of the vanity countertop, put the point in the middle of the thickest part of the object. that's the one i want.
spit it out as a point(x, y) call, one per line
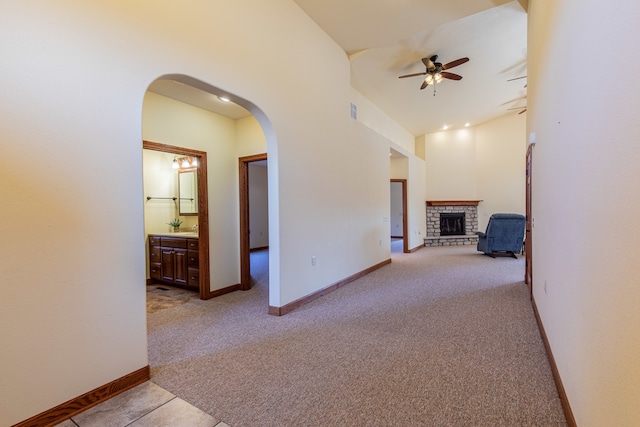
point(177, 234)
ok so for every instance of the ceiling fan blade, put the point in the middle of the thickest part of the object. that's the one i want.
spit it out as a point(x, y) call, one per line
point(424, 84)
point(428, 62)
point(451, 76)
point(454, 63)
point(413, 75)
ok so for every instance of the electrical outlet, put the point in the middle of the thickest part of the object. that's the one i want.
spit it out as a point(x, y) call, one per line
point(313, 260)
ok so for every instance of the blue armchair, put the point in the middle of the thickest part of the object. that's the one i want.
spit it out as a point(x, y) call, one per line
point(504, 235)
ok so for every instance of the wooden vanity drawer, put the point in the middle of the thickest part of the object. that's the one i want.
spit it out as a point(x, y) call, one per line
point(192, 244)
point(194, 277)
point(154, 254)
point(154, 241)
point(173, 242)
point(193, 259)
point(155, 270)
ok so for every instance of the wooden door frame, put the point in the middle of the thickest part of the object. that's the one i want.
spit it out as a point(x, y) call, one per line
point(204, 285)
point(405, 227)
point(528, 245)
point(245, 244)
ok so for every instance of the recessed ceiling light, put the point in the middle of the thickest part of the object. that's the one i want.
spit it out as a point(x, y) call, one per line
point(445, 127)
point(467, 124)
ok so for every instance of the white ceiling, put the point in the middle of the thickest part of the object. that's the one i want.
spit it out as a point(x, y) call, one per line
point(385, 39)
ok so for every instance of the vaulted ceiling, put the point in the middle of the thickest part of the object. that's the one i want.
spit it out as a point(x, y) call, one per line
point(385, 39)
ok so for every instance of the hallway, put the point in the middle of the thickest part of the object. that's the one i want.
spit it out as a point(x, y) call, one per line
point(442, 336)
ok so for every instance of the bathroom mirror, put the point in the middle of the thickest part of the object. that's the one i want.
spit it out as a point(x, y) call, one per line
point(188, 192)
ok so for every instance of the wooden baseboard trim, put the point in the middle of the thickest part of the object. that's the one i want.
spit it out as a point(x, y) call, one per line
point(566, 407)
point(218, 292)
point(417, 248)
point(73, 407)
point(287, 308)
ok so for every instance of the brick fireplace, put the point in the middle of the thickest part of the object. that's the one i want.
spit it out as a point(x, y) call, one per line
point(452, 222)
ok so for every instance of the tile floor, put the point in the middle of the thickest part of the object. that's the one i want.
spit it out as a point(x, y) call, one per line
point(147, 405)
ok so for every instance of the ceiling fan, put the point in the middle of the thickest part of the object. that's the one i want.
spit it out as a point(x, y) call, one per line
point(524, 109)
point(435, 71)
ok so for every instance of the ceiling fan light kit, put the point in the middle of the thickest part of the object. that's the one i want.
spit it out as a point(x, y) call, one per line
point(435, 71)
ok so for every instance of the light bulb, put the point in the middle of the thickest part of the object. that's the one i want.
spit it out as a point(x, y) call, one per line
point(429, 79)
point(175, 164)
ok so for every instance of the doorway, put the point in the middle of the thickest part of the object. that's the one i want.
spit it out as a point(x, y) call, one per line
point(203, 209)
point(245, 215)
point(528, 244)
point(398, 204)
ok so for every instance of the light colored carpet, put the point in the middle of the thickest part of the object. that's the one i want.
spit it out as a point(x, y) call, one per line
point(441, 337)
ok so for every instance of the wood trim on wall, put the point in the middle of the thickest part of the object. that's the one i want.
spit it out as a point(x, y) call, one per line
point(453, 202)
point(417, 248)
point(222, 291)
point(203, 210)
point(405, 225)
point(566, 407)
point(287, 308)
point(81, 403)
point(245, 244)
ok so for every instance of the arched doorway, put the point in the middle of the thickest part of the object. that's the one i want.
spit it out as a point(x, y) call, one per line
point(223, 218)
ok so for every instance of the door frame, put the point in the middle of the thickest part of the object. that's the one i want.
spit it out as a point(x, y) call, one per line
point(405, 227)
point(204, 285)
point(245, 245)
point(528, 245)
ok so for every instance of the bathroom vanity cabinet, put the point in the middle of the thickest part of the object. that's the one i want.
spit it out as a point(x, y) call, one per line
point(174, 260)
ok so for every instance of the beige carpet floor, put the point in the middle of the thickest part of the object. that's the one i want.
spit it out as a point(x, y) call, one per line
point(441, 337)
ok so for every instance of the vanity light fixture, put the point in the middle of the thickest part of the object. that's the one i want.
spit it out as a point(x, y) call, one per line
point(188, 162)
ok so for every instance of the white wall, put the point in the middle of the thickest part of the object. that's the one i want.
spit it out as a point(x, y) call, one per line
point(484, 162)
point(501, 148)
point(258, 206)
point(450, 158)
point(586, 202)
point(74, 89)
point(250, 138)
point(372, 117)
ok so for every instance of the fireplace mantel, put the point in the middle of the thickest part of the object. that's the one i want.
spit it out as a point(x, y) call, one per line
point(453, 202)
